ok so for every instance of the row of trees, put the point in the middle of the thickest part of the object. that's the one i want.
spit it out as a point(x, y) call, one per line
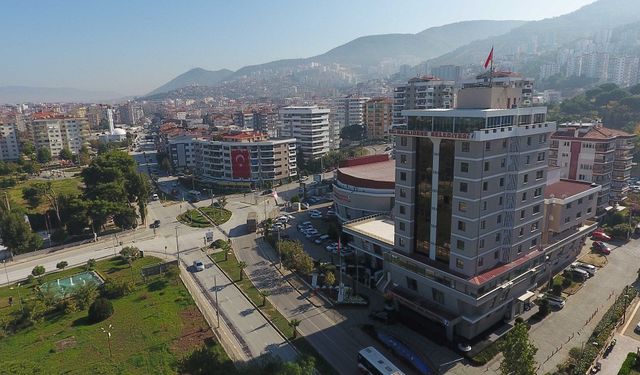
point(294, 257)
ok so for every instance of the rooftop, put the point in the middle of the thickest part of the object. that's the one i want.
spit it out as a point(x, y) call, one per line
point(379, 227)
point(567, 188)
point(588, 131)
point(375, 171)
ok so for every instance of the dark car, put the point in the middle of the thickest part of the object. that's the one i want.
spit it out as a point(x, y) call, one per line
point(155, 224)
point(601, 247)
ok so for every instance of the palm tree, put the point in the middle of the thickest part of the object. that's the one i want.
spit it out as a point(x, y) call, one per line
point(242, 266)
point(294, 323)
point(265, 294)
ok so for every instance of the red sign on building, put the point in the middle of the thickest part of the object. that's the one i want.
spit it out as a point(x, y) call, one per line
point(240, 163)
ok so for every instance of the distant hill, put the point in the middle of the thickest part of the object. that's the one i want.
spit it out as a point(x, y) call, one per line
point(548, 34)
point(24, 94)
point(362, 56)
point(195, 76)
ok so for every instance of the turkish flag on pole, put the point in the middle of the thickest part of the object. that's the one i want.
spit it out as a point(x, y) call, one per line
point(489, 58)
point(240, 163)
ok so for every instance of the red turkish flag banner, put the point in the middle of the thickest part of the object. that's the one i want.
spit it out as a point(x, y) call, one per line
point(489, 59)
point(240, 163)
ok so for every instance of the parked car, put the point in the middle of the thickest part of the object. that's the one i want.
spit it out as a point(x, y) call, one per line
point(315, 216)
point(599, 235)
point(589, 268)
point(155, 224)
point(331, 213)
point(578, 274)
point(332, 247)
point(311, 212)
point(155, 197)
point(637, 329)
point(555, 301)
point(198, 265)
point(321, 239)
point(464, 347)
point(601, 247)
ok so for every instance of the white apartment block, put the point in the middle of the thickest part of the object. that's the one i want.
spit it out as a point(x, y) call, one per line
point(421, 93)
point(9, 149)
point(309, 125)
point(349, 110)
point(55, 132)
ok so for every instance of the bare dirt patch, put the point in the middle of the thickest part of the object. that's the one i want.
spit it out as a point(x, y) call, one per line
point(195, 331)
point(596, 259)
point(63, 344)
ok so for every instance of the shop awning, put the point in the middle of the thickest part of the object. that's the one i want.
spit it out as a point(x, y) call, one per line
point(525, 297)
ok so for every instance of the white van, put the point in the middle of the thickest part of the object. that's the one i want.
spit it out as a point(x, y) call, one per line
point(155, 197)
point(321, 239)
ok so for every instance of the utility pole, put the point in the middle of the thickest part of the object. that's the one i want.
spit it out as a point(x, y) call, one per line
point(215, 291)
point(4, 262)
point(177, 247)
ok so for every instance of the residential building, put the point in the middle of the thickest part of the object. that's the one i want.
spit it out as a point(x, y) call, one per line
point(590, 152)
point(364, 186)
point(243, 119)
point(245, 159)
point(508, 80)
point(182, 152)
point(349, 110)
point(55, 132)
point(549, 70)
point(448, 72)
point(131, 113)
point(421, 93)
point(378, 116)
point(265, 121)
point(9, 148)
point(309, 125)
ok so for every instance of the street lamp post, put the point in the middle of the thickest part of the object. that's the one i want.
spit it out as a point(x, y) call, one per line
point(4, 262)
point(108, 333)
point(177, 246)
point(215, 291)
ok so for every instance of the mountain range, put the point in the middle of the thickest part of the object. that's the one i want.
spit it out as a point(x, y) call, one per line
point(27, 94)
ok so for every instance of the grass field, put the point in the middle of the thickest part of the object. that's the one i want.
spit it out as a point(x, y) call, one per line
point(67, 186)
point(194, 218)
point(152, 329)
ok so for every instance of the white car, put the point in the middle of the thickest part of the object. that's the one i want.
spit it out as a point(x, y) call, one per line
point(198, 265)
point(316, 216)
point(315, 212)
point(290, 217)
point(332, 247)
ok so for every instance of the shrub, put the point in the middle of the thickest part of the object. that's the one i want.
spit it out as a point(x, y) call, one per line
point(628, 364)
point(38, 271)
point(91, 264)
point(62, 265)
point(543, 308)
point(31, 279)
point(59, 235)
point(100, 310)
point(566, 282)
point(117, 289)
point(556, 290)
point(84, 295)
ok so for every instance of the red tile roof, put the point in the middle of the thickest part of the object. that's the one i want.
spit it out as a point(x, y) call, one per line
point(566, 188)
point(596, 132)
point(502, 269)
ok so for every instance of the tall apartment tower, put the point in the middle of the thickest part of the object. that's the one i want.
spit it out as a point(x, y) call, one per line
point(55, 132)
point(9, 149)
point(421, 93)
point(349, 110)
point(378, 116)
point(469, 206)
point(309, 125)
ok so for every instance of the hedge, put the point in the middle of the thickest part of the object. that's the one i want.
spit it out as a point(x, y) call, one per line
point(628, 364)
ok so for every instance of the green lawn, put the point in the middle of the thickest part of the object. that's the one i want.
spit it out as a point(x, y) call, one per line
point(195, 219)
point(230, 267)
point(152, 329)
point(67, 186)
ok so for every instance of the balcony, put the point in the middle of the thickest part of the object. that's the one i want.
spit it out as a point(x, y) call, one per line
point(622, 165)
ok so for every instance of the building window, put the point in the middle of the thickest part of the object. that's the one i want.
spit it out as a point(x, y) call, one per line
point(412, 283)
point(403, 159)
point(401, 209)
point(464, 187)
point(567, 219)
point(485, 186)
point(438, 296)
point(521, 233)
point(497, 237)
point(401, 225)
point(462, 225)
point(540, 156)
point(484, 205)
point(527, 159)
point(486, 166)
point(526, 178)
point(578, 215)
point(503, 162)
point(589, 210)
point(403, 193)
point(465, 146)
point(519, 249)
point(536, 209)
point(534, 226)
point(480, 262)
point(501, 181)
point(528, 141)
point(534, 242)
point(580, 201)
point(522, 214)
point(483, 224)
point(400, 241)
point(537, 192)
point(481, 244)
point(487, 146)
point(462, 206)
point(499, 219)
point(403, 176)
point(464, 167)
point(504, 143)
point(499, 201)
point(459, 263)
point(539, 175)
point(403, 141)
point(524, 196)
point(460, 245)
point(569, 205)
point(590, 197)
point(496, 254)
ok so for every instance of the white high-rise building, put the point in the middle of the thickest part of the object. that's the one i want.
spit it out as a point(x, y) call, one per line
point(349, 110)
point(9, 149)
point(421, 93)
point(309, 125)
point(56, 132)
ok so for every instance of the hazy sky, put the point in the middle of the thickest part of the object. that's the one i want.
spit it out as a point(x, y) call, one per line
point(134, 46)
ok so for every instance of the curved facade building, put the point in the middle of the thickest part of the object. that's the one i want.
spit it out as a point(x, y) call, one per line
point(364, 186)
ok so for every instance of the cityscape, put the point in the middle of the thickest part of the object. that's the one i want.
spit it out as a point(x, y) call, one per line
point(447, 193)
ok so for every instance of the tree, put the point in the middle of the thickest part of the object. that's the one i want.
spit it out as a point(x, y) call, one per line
point(45, 189)
point(84, 294)
point(126, 218)
point(59, 235)
point(518, 352)
point(241, 267)
point(129, 254)
point(556, 289)
point(294, 323)
point(27, 148)
point(62, 265)
point(91, 264)
point(100, 310)
point(66, 154)
point(38, 271)
point(222, 201)
point(16, 233)
point(44, 155)
point(265, 294)
point(304, 263)
point(84, 157)
point(329, 278)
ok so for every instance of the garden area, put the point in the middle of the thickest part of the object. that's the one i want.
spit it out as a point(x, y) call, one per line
point(66, 187)
point(154, 324)
point(195, 217)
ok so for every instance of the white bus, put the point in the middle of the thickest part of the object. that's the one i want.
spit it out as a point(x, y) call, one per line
point(370, 361)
